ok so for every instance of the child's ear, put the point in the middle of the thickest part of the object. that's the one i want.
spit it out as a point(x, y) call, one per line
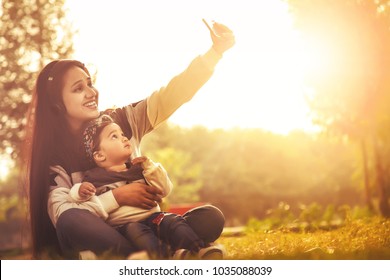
point(98, 156)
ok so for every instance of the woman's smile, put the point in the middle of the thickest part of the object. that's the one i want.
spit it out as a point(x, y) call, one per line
point(91, 104)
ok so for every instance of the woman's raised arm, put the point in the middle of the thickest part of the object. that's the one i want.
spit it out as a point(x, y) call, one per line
point(164, 102)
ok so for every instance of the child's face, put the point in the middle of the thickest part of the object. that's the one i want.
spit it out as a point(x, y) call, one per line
point(114, 145)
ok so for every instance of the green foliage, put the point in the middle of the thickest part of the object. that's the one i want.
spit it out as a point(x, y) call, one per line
point(361, 213)
point(351, 96)
point(183, 172)
point(13, 200)
point(311, 217)
point(255, 225)
point(13, 215)
point(329, 213)
point(277, 217)
point(311, 213)
point(12, 208)
point(245, 172)
point(32, 33)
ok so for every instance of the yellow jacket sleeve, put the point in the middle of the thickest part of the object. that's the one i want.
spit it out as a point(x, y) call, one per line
point(164, 102)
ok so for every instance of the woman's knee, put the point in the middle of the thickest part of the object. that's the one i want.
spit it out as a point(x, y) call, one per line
point(215, 215)
point(79, 229)
point(77, 222)
point(207, 221)
point(71, 216)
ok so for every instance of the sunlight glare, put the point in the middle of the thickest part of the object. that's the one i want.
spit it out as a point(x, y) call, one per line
point(5, 168)
point(258, 84)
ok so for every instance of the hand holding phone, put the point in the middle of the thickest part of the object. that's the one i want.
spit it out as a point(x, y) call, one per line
point(222, 37)
point(209, 27)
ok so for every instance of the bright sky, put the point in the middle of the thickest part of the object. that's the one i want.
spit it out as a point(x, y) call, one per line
point(138, 46)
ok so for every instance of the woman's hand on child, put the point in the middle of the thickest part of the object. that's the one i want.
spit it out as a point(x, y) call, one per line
point(86, 190)
point(137, 195)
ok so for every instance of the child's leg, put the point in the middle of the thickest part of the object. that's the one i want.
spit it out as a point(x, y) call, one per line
point(143, 237)
point(174, 230)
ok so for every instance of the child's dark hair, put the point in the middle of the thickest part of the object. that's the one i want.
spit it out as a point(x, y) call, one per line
point(91, 139)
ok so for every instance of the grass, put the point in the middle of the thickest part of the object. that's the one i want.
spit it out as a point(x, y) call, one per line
point(358, 239)
point(362, 239)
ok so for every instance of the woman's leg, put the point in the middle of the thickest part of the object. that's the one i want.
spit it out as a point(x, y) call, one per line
point(79, 230)
point(206, 221)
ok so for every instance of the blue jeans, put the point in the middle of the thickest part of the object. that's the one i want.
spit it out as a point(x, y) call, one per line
point(162, 233)
point(79, 230)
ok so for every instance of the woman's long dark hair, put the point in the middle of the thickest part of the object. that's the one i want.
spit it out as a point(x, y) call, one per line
point(49, 141)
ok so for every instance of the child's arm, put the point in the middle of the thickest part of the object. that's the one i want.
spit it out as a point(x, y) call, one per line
point(82, 192)
point(87, 190)
point(155, 174)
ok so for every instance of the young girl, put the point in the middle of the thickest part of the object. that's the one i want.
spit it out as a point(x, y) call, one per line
point(151, 230)
point(64, 100)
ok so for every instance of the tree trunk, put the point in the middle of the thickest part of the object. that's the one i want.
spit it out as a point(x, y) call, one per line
point(366, 178)
point(381, 183)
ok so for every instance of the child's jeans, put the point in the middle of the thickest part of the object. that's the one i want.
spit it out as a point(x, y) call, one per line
point(161, 234)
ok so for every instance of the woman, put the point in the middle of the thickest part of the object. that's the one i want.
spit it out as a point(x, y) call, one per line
point(63, 101)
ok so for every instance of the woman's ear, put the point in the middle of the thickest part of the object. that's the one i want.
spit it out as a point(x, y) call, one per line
point(99, 156)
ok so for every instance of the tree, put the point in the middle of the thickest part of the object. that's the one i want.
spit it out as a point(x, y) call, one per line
point(352, 96)
point(32, 32)
point(246, 172)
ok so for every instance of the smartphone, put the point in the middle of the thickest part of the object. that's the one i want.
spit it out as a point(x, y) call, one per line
point(209, 26)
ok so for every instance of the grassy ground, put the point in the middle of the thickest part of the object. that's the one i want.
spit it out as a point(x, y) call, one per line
point(358, 239)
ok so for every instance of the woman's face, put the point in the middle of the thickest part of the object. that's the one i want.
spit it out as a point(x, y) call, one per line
point(79, 97)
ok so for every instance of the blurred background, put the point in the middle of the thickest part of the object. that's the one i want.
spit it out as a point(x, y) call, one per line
point(294, 124)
